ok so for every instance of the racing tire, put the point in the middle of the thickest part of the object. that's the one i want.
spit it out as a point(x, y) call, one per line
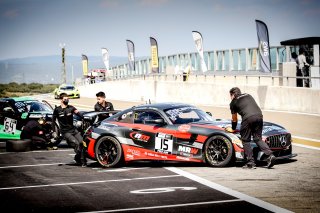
point(18, 145)
point(218, 151)
point(108, 151)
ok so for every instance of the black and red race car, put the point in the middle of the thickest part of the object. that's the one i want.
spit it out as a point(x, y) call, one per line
point(175, 132)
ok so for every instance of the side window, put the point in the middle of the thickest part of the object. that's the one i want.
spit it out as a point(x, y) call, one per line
point(4, 106)
point(146, 117)
point(126, 117)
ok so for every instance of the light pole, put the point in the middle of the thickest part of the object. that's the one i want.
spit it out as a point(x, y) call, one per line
point(63, 68)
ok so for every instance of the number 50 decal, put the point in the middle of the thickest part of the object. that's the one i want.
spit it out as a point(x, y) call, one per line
point(164, 143)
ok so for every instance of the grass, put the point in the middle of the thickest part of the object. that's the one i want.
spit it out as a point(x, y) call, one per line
point(17, 90)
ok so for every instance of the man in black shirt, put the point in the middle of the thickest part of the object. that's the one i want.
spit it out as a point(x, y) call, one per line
point(251, 125)
point(102, 105)
point(64, 114)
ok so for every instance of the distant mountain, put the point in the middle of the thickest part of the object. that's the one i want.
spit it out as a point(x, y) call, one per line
point(47, 69)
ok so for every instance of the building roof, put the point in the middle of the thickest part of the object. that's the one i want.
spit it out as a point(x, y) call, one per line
point(301, 41)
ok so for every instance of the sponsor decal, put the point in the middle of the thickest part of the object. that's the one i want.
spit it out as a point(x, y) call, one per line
point(105, 127)
point(175, 113)
point(187, 149)
point(182, 158)
point(134, 152)
point(35, 116)
point(264, 48)
point(184, 128)
point(239, 155)
point(270, 129)
point(139, 137)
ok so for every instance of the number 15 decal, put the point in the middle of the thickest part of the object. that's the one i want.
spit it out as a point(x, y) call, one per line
point(164, 143)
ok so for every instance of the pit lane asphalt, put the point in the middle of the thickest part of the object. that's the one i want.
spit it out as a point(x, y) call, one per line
point(293, 184)
point(47, 181)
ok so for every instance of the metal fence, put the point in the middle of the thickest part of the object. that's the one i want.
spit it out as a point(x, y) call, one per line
point(239, 60)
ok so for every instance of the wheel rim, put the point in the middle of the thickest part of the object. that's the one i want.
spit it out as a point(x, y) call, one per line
point(107, 152)
point(217, 150)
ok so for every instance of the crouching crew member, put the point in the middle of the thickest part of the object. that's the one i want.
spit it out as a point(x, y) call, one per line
point(64, 114)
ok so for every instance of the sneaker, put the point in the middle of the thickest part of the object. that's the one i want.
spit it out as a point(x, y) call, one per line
point(270, 161)
point(84, 164)
point(249, 166)
point(54, 147)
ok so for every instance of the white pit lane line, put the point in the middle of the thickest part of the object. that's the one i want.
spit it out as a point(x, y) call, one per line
point(32, 165)
point(229, 191)
point(88, 182)
point(166, 206)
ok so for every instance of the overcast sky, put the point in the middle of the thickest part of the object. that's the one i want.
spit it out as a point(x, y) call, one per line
point(36, 27)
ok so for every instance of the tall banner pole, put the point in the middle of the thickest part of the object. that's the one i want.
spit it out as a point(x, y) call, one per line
point(197, 37)
point(131, 58)
point(263, 46)
point(106, 61)
point(105, 58)
point(154, 56)
point(85, 65)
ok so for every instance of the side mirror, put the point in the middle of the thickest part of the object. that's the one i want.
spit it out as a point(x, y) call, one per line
point(209, 113)
point(158, 121)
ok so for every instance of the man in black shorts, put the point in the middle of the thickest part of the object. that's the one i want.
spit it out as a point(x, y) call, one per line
point(251, 125)
point(64, 114)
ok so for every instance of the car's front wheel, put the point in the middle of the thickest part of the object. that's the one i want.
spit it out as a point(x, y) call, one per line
point(108, 151)
point(218, 151)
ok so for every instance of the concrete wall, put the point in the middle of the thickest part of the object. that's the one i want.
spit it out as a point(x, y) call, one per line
point(306, 100)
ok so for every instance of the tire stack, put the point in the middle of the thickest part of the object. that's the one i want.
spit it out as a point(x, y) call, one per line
point(18, 145)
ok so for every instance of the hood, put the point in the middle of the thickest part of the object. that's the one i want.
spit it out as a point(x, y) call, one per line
point(268, 127)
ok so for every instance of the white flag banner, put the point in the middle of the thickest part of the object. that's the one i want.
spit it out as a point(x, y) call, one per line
point(105, 57)
point(197, 37)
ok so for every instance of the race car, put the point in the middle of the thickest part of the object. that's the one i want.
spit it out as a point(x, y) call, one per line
point(16, 112)
point(175, 132)
point(69, 89)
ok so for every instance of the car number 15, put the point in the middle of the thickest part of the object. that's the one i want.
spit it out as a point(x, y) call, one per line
point(164, 143)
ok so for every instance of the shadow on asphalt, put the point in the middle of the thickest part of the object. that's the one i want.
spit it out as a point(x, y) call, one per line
point(159, 164)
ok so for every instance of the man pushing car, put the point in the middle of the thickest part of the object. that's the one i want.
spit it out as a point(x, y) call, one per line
point(251, 125)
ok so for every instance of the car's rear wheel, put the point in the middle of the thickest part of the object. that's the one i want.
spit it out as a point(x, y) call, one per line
point(108, 151)
point(218, 151)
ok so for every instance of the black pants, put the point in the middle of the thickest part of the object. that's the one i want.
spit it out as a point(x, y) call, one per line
point(252, 127)
point(299, 80)
point(38, 142)
point(74, 139)
point(305, 73)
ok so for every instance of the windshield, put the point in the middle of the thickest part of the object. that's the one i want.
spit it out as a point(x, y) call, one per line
point(32, 106)
point(67, 88)
point(184, 115)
